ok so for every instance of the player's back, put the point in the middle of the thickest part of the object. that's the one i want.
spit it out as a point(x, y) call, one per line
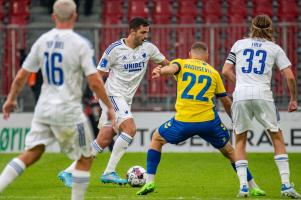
point(197, 84)
point(255, 59)
point(63, 56)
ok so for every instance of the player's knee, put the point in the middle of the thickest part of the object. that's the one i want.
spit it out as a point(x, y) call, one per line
point(32, 155)
point(129, 127)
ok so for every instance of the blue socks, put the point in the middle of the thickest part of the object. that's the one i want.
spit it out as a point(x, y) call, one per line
point(153, 159)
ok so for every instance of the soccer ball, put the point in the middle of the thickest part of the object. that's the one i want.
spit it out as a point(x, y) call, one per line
point(136, 176)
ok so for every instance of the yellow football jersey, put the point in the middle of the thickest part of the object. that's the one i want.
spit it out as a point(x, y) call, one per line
point(197, 84)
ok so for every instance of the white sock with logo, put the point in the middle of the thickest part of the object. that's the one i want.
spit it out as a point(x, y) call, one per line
point(120, 146)
point(80, 182)
point(283, 167)
point(12, 170)
point(241, 168)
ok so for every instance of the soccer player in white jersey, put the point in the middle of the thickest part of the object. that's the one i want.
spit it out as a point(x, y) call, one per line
point(63, 56)
point(253, 59)
point(125, 61)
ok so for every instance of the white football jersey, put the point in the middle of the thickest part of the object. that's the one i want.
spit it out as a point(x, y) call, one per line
point(63, 56)
point(254, 59)
point(127, 67)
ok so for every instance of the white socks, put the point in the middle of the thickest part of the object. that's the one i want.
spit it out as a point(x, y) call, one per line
point(12, 170)
point(71, 167)
point(283, 167)
point(95, 148)
point(80, 182)
point(241, 168)
point(120, 146)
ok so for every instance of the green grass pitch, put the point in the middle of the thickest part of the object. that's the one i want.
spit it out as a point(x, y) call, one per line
point(180, 176)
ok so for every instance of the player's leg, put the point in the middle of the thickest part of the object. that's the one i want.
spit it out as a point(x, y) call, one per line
point(35, 142)
point(127, 127)
point(228, 152)
point(81, 177)
point(153, 160)
point(103, 140)
point(268, 116)
point(242, 115)
point(282, 162)
point(17, 165)
point(172, 132)
point(128, 131)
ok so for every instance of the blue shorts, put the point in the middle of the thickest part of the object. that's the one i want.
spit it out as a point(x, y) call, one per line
point(214, 132)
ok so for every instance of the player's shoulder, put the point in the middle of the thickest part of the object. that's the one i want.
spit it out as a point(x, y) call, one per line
point(82, 40)
point(242, 42)
point(149, 45)
point(46, 35)
point(114, 46)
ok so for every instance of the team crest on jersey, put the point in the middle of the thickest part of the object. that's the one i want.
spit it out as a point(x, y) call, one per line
point(103, 63)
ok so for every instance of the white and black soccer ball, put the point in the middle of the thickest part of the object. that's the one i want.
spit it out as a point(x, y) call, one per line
point(136, 176)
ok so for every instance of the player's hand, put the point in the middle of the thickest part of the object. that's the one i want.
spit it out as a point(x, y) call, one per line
point(292, 106)
point(8, 107)
point(112, 116)
point(156, 72)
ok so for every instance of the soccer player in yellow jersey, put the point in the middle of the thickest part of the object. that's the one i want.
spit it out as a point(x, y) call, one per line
point(197, 84)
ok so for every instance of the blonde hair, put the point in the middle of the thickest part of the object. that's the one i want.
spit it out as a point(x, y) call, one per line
point(64, 9)
point(262, 27)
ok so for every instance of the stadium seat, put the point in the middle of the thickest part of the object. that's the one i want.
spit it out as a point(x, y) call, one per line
point(137, 8)
point(112, 12)
point(263, 7)
point(162, 12)
point(236, 12)
point(187, 12)
point(212, 11)
point(19, 12)
point(288, 10)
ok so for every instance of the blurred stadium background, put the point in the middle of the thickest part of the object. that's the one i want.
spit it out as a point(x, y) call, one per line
point(175, 26)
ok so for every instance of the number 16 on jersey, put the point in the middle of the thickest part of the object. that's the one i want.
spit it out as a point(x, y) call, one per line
point(53, 67)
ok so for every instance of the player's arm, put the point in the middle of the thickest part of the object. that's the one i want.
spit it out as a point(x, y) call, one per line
point(164, 62)
point(228, 72)
point(166, 70)
point(97, 86)
point(291, 83)
point(17, 85)
point(226, 101)
point(103, 74)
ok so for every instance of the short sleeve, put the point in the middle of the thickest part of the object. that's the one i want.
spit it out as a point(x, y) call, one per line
point(31, 62)
point(282, 60)
point(87, 60)
point(231, 59)
point(220, 88)
point(155, 55)
point(177, 62)
point(104, 63)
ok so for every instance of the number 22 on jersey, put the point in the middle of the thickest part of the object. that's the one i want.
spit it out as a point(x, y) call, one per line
point(53, 67)
point(193, 80)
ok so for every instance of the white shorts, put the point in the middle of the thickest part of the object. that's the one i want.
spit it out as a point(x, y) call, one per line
point(122, 109)
point(264, 111)
point(74, 140)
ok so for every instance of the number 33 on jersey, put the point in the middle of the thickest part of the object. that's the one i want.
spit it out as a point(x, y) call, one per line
point(197, 84)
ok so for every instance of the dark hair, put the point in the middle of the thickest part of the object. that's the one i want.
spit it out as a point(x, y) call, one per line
point(262, 27)
point(136, 22)
point(199, 46)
